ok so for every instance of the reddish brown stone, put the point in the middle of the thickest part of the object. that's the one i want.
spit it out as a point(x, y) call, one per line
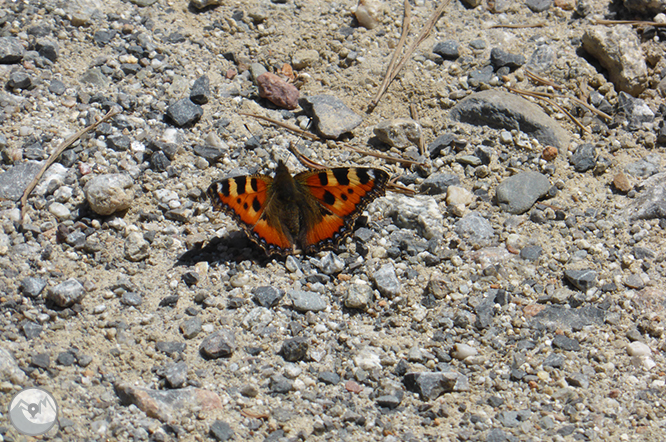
point(277, 91)
point(549, 153)
point(621, 183)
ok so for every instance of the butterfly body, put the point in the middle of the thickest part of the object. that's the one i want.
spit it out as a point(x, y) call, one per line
point(308, 212)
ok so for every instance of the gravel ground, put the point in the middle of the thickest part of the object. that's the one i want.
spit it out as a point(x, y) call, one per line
point(518, 296)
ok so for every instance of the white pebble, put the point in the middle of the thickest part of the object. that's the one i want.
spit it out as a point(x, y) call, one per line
point(462, 351)
point(638, 348)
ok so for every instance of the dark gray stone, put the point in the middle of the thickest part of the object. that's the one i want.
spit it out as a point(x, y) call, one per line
point(47, 49)
point(305, 301)
point(221, 431)
point(578, 380)
point(66, 358)
point(650, 203)
point(95, 77)
point(41, 360)
point(170, 348)
point(584, 158)
point(437, 183)
point(390, 401)
point(430, 385)
point(102, 38)
point(132, 299)
point(295, 349)
point(539, 5)
point(32, 286)
point(480, 76)
point(200, 90)
point(184, 113)
point(66, 293)
point(635, 110)
point(565, 343)
point(554, 360)
point(500, 58)
point(210, 153)
point(280, 385)
point(19, 80)
point(159, 162)
point(448, 49)
point(582, 279)
point(118, 142)
point(15, 179)
point(220, 344)
point(645, 167)
point(574, 318)
point(643, 253)
point(497, 435)
point(531, 253)
point(495, 401)
point(441, 143)
point(11, 50)
point(502, 110)
point(191, 327)
point(31, 330)
point(267, 296)
point(517, 194)
point(329, 377)
point(331, 116)
point(176, 375)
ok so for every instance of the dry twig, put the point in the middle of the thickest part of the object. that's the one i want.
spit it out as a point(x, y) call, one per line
point(511, 26)
point(54, 156)
point(630, 22)
point(294, 129)
point(548, 99)
point(542, 80)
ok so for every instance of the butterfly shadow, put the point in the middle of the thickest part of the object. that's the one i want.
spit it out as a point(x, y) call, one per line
point(234, 247)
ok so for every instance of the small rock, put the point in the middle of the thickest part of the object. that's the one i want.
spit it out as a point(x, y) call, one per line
point(19, 80)
point(329, 378)
point(500, 58)
point(221, 430)
point(109, 193)
point(331, 264)
point(210, 153)
point(66, 293)
point(517, 194)
point(295, 349)
point(95, 77)
point(474, 228)
point(462, 351)
point(390, 401)
point(200, 90)
point(650, 203)
point(48, 49)
point(438, 183)
point(277, 91)
point(549, 153)
point(131, 299)
point(220, 344)
point(565, 343)
point(305, 301)
point(32, 286)
point(11, 50)
point(359, 296)
point(458, 196)
point(386, 281)
point(184, 113)
point(581, 279)
point(448, 49)
point(66, 358)
point(644, 167)
point(621, 183)
point(539, 5)
point(191, 327)
point(304, 58)
point(15, 179)
point(31, 330)
point(400, 133)
point(430, 385)
point(176, 375)
point(638, 348)
point(41, 360)
point(170, 348)
point(531, 253)
point(578, 380)
point(368, 13)
point(9, 369)
point(584, 158)
point(280, 385)
point(267, 296)
point(634, 282)
point(332, 117)
point(136, 247)
point(118, 142)
point(60, 211)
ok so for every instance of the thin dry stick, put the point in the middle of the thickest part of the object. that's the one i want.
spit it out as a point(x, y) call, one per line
point(408, 54)
point(415, 116)
point(307, 162)
point(287, 126)
point(547, 95)
point(393, 186)
point(536, 25)
point(547, 98)
point(68, 142)
point(630, 22)
point(406, 19)
point(542, 80)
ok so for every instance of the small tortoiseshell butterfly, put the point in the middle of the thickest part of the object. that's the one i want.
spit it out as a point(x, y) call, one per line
point(308, 212)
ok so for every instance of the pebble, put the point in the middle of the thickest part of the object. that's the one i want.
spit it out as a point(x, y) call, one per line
point(584, 158)
point(11, 50)
point(438, 183)
point(331, 264)
point(66, 293)
point(220, 344)
point(650, 203)
point(368, 13)
point(184, 113)
point(41, 360)
point(565, 343)
point(200, 90)
point(131, 299)
point(645, 167)
point(32, 330)
point(539, 5)
point(60, 211)
point(110, 193)
point(475, 229)
point(531, 253)
point(430, 385)
point(14, 180)
point(359, 296)
point(502, 110)
point(48, 49)
point(306, 301)
point(332, 117)
point(621, 183)
point(94, 76)
point(458, 196)
point(170, 348)
point(582, 279)
point(386, 281)
point(638, 348)
point(400, 133)
point(518, 193)
point(136, 247)
point(295, 349)
point(221, 430)
point(447, 49)
point(176, 375)
point(277, 91)
point(19, 80)
point(65, 359)
point(463, 351)
point(635, 110)
point(419, 213)
point(304, 58)
point(32, 286)
point(500, 58)
point(267, 296)
point(634, 282)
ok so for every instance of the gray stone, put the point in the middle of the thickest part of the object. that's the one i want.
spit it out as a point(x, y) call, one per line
point(331, 116)
point(109, 193)
point(66, 293)
point(220, 344)
point(625, 63)
point(210, 153)
point(573, 318)
point(66, 358)
point(578, 380)
point(582, 279)
point(132, 299)
point(143, 3)
point(176, 375)
point(47, 48)
point(634, 282)
point(19, 80)
point(517, 194)
point(267, 296)
point(136, 247)
point(14, 180)
point(502, 110)
point(118, 142)
point(295, 349)
point(500, 58)
point(31, 330)
point(9, 369)
point(447, 49)
point(400, 133)
point(386, 281)
point(190, 328)
point(306, 301)
point(184, 113)
point(221, 431)
point(650, 203)
point(41, 360)
point(329, 377)
point(11, 50)
point(437, 183)
point(359, 296)
point(531, 253)
point(390, 401)
point(95, 77)
point(331, 264)
point(554, 360)
point(565, 343)
point(543, 57)
point(419, 213)
point(170, 348)
point(474, 228)
point(32, 286)
point(645, 167)
point(636, 110)
point(539, 5)
point(200, 90)
point(280, 385)
point(497, 435)
point(584, 158)
point(430, 385)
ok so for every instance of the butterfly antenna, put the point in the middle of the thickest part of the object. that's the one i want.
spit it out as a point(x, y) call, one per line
point(307, 162)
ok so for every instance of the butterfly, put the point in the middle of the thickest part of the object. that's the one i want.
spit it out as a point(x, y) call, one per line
point(306, 213)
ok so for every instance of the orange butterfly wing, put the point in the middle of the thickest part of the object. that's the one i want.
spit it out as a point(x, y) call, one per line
point(245, 199)
point(342, 193)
